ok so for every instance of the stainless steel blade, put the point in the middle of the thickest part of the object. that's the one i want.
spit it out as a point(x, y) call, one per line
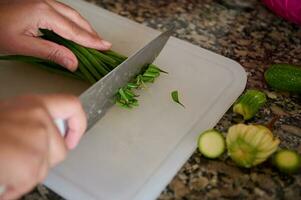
point(100, 96)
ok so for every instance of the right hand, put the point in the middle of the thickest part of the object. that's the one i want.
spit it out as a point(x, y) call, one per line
point(30, 142)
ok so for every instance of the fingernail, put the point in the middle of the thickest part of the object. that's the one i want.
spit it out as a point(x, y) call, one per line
point(71, 145)
point(2, 190)
point(67, 63)
point(106, 43)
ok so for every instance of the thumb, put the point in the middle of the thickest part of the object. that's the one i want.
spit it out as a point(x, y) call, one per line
point(41, 48)
point(67, 107)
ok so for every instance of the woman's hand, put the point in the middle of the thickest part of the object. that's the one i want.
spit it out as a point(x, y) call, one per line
point(21, 19)
point(30, 143)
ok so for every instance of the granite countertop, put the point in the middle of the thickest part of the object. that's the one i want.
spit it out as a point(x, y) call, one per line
point(243, 30)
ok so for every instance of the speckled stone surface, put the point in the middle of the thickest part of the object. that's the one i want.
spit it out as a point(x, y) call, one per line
point(248, 33)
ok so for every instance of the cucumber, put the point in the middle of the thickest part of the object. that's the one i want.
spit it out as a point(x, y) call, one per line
point(284, 77)
point(211, 143)
point(287, 161)
point(249, 103)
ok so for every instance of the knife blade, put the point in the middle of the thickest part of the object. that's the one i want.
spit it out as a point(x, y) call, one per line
point(97, 99)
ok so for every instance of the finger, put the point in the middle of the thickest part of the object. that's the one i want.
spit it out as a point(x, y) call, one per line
point(57, 148)
point(48, 50)
point(68, 107)
point(15, 192)
point(10, 193)
point(43, 170)
point(71, 14)
point(71, 31)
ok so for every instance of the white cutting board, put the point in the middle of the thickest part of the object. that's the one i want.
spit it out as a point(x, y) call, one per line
point(133, 154)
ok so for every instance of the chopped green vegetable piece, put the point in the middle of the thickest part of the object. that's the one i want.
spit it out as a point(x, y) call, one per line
point(249, 103)
point(287, 161)
point(122, 101)
point(118, 103)
point(152, 70)
point(129, 93)
point(146, 79)
point(211, 144)
point(126, 95)
point(151, 74)
point(134, 102)
point(123, 95)
point(132, 85)
point(175, 97)
point(140, 81)
point(155, 67)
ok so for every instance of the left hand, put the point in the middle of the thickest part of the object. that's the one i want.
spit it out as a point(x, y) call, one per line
point(20, 21)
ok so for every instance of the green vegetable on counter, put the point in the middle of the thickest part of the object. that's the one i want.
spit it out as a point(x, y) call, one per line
point(175, 97)
point(249, 103)
point(211, 144)
point(284, 77)
point(92, 66)
point(287, 161)
point(250, 145)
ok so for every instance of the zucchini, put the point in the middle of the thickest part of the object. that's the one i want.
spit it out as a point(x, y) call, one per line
point(249, 103)
point(211, 144)
point(287, 161)
point(284, 77)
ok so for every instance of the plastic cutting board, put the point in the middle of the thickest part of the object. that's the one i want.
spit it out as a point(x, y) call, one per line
point(134, 154)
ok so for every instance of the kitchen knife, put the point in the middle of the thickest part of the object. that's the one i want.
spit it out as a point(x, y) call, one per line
point(97, 99)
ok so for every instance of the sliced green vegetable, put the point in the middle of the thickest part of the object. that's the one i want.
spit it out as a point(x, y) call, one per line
point(130, 93)
point(132, 85)
point(154, 67)
point(175, 97)
point(139, 81)
point(211, 144)
point(126, 97)
point(151, 74)
point(123, 95)
point(249, 103)
point(284, 77)
point(146, 79)
point(287, 161)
